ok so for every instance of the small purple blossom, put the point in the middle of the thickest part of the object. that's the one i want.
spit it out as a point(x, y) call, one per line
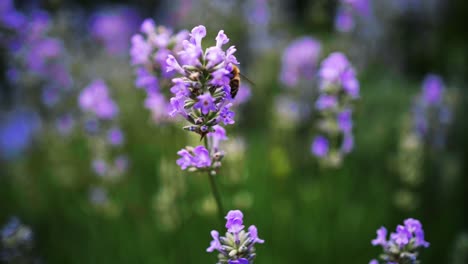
point(381, 238)
point(234, 222)
point(205, 103)
point(325, 102)
point(197, 157)
point(226, 115)
point(215, 244)
point(320, 146)
point(95, 98)
point(433, 88)
point(115, 136)
point(99, 167)
point(345, 121)
point(254, 235)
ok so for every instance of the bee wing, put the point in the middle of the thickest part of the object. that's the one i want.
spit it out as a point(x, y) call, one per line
point(247, 79)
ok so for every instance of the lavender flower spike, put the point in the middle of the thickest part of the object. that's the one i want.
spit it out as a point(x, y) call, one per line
point(404, 244)
point(237, 246)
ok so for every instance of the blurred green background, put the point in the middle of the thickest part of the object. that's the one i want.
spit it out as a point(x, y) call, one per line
point(306, 212)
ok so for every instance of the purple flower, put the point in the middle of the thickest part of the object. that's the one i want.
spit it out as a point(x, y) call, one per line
point(320, 146)
point(205, 103)
point(381, 238)
point(412, 225)
point(350, 83)
point(202, 157)
point(115, 136)
point(158, 106)
point(65, 124)
point(146, 80)
point(17, 130)
point(113, 28)
point(325, 102)
point(433, 88)
point(173, 65)
point(185, 160)
point(197, 34)
point(254, 235)
point(374, 261)
point(234, 222)
point(99, 167)
point(401, 237)
point(215, 244)
point(140, 50)
point(332, 70)
point(177, 104)
point(237, 246)
point(348, 142)
point(344, 21)
point(226, 115)
point(95, 98)
point(299, 60)
point(220, 77)
point(419, 239)
point(345, 122)
point(239, 261)
point(217, 136)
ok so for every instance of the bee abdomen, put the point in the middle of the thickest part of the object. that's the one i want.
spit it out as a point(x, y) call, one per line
point(234, 83)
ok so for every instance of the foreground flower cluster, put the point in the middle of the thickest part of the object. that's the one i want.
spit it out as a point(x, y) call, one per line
point(403, 245)
point(237, 246)
point(202, 96)
point(338, 88)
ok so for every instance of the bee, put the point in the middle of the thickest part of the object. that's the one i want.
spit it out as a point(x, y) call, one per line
point(235, 80)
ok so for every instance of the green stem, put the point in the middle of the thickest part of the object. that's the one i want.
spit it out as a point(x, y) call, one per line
point(214, 189)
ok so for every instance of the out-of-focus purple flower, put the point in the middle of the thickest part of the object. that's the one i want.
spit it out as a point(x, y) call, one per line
point(344, 20)
point(10, 17)
point(95, 98)
point(433, 88)
point(99, 166)
point(320, 146)
point(158, 106)
point(381, 238)
point(65, 124)
point(299, 61)
point(243, 95)
point(50, 96)
point(374, 261)
point(348, 143)
point(362, 7)
point(115, 136)
point(237, 246)
point(325, 102)
point(337, 71)
point(17, 130)
point(185, 160)
point(345, 121)
point(218, 135)
point(91, 126)
point(113, 28)
point(44, 50)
